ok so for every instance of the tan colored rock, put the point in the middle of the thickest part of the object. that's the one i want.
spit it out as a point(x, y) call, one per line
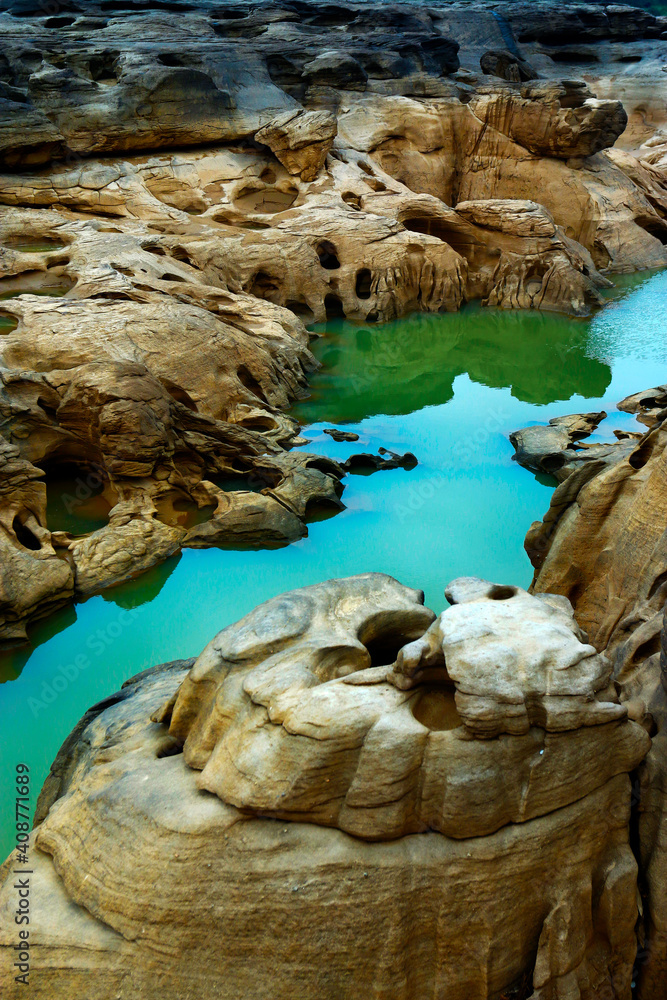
point(122, 808)
point(295, 735)
point(33, 580)
point(545, 675)
point(300, 140)
point(602, 546)
point(441, 146)
point(242, 519)
point(133, 541)
point(552, 119)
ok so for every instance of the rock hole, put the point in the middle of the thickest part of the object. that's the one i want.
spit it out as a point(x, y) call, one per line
point(385, 634)
point(327, 253)
point(572, 56)
point(646, 649)
point(25, 536)
point(247, 379)
point(301, 309)
point(59, 22)
point(51, 411)
point(502, 593)
point(170, 59)
point(376, 185)
point(7, 323)
point(654, 227)
point(436, 709)
point(178, 393)
point(57, 262)
point(367, 169)
point(170, 276)
point(266, 201)
point(432, 227)
point(268, 176)
point(640, 456)
point(334, 307)
point(180, 253)
point(659, 581)
point(363, 283)
point(31, 58)
point(33, 244)
point(169, 748)
point(263, 285)
point(353, 200)
point(102, 67)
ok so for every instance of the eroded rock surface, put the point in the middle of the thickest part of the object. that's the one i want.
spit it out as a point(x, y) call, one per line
point(295, 713)
point(185, 187)
point(601, 545)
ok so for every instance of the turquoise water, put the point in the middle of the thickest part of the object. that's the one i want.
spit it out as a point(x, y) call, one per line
point(449, 388)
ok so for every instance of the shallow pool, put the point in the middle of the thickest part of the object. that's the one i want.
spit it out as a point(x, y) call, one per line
point(449, 388)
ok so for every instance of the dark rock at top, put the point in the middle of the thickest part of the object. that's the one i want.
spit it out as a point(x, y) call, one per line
point(106, 76)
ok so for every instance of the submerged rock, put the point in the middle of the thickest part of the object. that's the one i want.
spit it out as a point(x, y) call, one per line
point(148, 830)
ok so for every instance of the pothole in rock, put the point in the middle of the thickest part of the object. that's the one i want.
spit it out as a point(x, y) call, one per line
point(75, 500)
point(33, 244)
point(435, 708)
point(182, 512)
point(35, 283)
point(266, 201)
point(7, 323)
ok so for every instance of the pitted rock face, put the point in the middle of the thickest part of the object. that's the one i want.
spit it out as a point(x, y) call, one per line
point(516, 661)
point(338, 705)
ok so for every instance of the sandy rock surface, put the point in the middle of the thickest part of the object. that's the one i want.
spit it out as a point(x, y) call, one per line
point(154, 848)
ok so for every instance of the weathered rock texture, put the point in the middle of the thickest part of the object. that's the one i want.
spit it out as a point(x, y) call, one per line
point(185, 186)
point(601, 545)
point(458, 861)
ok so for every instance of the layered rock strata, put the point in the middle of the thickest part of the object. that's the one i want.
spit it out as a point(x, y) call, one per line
point(601, 546)
point(349, 774)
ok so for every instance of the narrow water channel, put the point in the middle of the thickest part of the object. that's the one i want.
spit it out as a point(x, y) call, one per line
point(449, 388)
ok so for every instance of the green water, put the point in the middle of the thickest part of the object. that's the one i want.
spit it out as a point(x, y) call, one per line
point(450, 389)
point(31, 244)
point(75, 505)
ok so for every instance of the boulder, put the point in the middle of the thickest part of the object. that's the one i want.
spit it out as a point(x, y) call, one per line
point(563, 120)
point(300, 140)
point(295, 741)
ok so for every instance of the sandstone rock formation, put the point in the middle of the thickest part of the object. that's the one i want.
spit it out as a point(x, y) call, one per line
point(601, 545)
point(300, 140)
point(185, 185)
point(396, 811)
point(366, 178)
